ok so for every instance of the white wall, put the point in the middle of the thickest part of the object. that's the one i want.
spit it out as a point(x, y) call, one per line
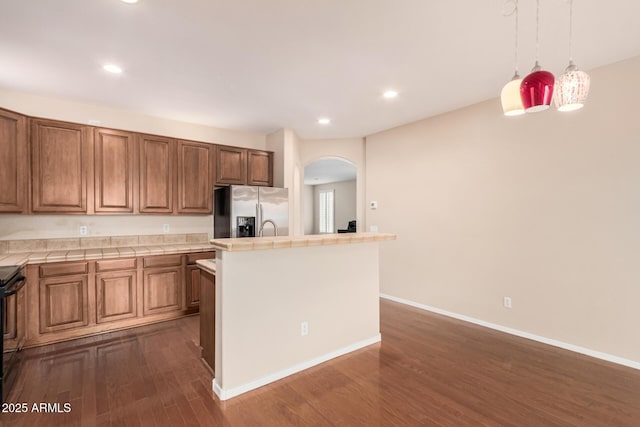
point(50, 226)
point(308, 208)
point(275, 143)
point(544, 208)
point(344, 198)
point(82, 112)
point(335, 288)
point(18, 227)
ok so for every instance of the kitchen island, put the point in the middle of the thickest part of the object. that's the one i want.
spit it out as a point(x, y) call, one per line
point(285, 304)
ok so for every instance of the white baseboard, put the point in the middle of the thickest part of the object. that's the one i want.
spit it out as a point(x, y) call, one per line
point(224, 394)
point(555, 343)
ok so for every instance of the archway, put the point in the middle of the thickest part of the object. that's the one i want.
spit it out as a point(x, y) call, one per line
point(329, 196)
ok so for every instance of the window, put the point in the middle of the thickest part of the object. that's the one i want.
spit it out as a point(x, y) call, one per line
point(326, 211)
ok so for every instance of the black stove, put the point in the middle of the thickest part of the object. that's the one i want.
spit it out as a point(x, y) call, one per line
point(12, 281)
point(8, 273)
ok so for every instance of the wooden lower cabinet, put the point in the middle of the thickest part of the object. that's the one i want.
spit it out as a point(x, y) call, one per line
point(162, 290)
point(63, 303)
point(9, 312)
point(68, 300)
point(208, 318)
point(116, 296)
point(192, 277)
point(192, 286)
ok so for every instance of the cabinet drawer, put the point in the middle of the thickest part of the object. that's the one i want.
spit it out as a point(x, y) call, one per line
point(116, 264)
point(63, 269)
point(162, 261)
point(192, 258)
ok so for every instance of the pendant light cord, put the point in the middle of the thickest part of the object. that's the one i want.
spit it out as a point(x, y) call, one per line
point(570, 31)
point(516, 38)
point(537, 29)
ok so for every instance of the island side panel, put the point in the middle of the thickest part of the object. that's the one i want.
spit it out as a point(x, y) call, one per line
point(265, 295)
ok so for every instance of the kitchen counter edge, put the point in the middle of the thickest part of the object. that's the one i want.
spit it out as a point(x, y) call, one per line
point(208, 265)
point(282, 242)
point(22, 259)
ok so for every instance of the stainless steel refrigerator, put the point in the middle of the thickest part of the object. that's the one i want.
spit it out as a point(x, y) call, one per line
point(245, 211)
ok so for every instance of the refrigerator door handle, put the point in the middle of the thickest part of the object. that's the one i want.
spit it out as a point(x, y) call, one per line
point(258, 211)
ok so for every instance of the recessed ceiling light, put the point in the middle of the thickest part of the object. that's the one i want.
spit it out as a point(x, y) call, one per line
point(390, 94)
point(112, 68)
point(324, 121)
point(130, 1)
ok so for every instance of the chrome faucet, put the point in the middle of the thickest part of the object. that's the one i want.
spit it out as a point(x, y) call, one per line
point(275, 227)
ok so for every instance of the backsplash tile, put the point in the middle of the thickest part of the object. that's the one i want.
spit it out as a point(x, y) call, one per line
point(95, 242)
point(197, 237)
point(174, 238)
point(17, 246)
point(4, 247)
point(124, 241)
point(61, 244)
point(150, 239)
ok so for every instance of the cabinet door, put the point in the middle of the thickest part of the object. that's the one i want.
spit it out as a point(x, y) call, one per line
point(157, 176)
point(114, 161)
point(193, 286)
point(14, 159)
point(61, 162)
point(63, 303)
point(195, 177)
point(208, 318)
point(231, 165)
point(260, 170)
point(115, 296)
point(162, 290)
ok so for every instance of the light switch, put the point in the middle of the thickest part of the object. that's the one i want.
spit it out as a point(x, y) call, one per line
point(373, 204)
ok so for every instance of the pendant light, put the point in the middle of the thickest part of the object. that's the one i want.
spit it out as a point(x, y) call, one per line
point(572, 88)
point(536, 89)
point(510, 95)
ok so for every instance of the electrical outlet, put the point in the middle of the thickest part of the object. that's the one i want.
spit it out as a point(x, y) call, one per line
point(373, 228)
point(373, 204)
point(506, 302)
point(304, 328)
point(165, 228)
point(83, 230)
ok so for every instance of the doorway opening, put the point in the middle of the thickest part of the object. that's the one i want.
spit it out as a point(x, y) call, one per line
point(330, 196)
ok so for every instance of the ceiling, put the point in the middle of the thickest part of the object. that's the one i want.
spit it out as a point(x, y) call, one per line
point(261, 65)
point(325, 171)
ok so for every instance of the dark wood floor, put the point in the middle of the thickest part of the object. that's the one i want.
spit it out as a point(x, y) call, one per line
point(428, 370)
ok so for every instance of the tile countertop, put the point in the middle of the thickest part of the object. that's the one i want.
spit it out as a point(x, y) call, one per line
point(100, 253)
point(208, 265)
point(279, 242)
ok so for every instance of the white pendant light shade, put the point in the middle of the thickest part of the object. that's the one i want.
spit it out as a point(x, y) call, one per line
point(511, 99)
point(572, 89)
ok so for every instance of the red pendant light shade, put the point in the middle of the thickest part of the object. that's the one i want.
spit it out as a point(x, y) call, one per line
point(536, 91)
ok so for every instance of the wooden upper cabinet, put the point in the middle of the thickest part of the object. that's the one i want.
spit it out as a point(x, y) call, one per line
point(231, 165)
point(114, 161)
point(157, 175)
point(61, 155)
point(260, 168)
point(14, 159)
point(195, 177)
